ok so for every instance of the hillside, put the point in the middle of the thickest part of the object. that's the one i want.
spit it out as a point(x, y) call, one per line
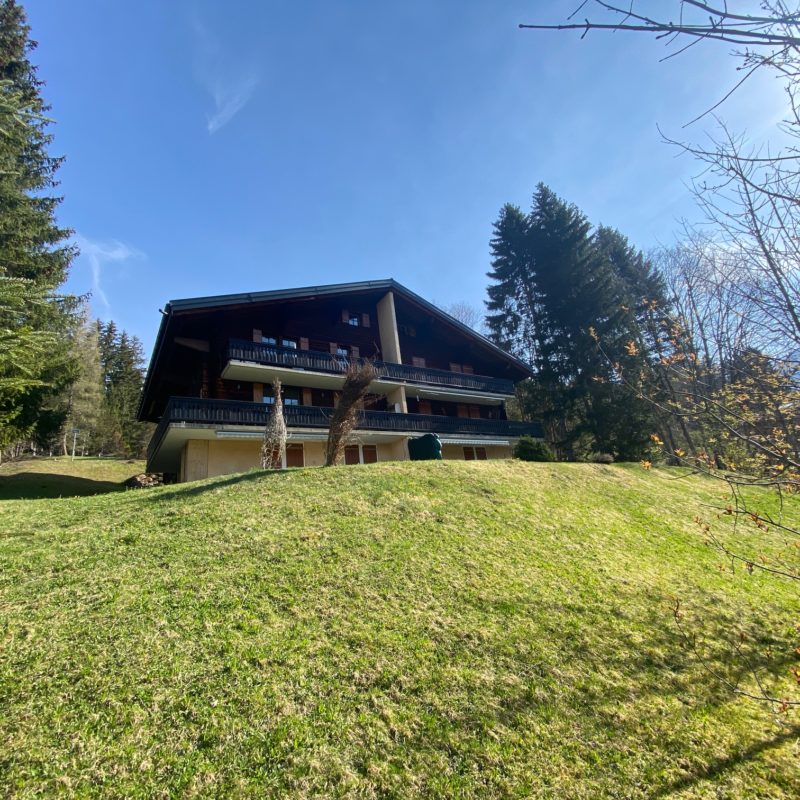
point(484, 629)
point(64, 477)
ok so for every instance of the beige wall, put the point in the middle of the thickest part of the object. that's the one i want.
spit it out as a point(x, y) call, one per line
point(207, 459)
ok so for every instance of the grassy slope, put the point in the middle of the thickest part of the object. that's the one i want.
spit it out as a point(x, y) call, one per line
point(433, 630)
point(63, 477)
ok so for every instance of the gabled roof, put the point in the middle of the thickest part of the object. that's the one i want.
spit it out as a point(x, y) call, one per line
point(213, 302)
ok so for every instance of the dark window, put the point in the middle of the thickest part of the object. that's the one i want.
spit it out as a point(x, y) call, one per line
point(354, 320)
point(341, 350)
point(269, 340)
point(289, 343)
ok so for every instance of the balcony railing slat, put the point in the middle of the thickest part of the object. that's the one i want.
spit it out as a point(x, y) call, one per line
point(201, 411)
point(291, 358)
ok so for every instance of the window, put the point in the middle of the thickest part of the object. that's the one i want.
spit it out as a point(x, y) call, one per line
point(269, 340)
point(294, 455)
point(475, 454)
point(361, 454)
point(291, 396)
point(291, 343)
point(341, 350)
point(354, 320)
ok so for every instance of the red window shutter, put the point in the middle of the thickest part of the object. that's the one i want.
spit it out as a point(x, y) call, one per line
point(351, 454)
point(304, 343)
point(370, 453)
point(467, 369)
point(462, 410)
point(354, 351)
point(469, 454)
point(480, 453)
point(307, 401)
point(345, 316)
point(474, 412)
point(424, 406)
point(294, 455)
point(365, 320)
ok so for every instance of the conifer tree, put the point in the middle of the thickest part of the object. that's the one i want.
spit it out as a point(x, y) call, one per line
point(34, 259)
point(566, 300)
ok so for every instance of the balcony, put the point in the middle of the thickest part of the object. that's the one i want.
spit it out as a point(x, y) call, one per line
point(198, 411)
point(330, 369)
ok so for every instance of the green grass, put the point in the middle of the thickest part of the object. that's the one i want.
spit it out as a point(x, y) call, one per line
point(464, 630)
point(62, 477)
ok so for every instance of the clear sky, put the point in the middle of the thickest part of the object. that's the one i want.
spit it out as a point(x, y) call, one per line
point(242, 146)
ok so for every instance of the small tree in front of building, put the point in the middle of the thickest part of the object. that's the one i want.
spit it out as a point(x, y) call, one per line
point(273, 445)
point(356, 384)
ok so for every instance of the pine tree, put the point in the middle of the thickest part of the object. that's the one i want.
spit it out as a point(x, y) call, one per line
point(565, 300)
point(122, 367)
point(34, 322)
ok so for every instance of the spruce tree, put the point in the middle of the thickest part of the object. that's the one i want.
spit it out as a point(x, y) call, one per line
point(565, 300)
point(35, 366)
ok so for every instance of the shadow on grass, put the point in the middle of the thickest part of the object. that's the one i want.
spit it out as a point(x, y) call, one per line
point(717, 767)
point(185, 490)
point(40, 485)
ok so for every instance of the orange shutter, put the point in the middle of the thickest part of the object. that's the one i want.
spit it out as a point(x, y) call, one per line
point(307, 397)
point(424, 406)
point(256, 335)
point(258, 392)
point(467, 369)
point(345, 316)
point(294, 455)
point(462, 410)
point(474, 412)
point(334, 345)
point(351, 454)
point(304, 343)
point(370, 453)
point(365, 320)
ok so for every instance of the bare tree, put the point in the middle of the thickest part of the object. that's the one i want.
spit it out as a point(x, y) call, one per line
point(731, 355)
point(467, 314)
point(357, 381)
point(273, 445)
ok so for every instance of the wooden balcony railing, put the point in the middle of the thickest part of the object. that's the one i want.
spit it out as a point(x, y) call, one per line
point(199, 411)
point(291, 358)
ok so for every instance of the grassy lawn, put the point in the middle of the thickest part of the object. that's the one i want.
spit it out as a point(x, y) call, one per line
point(464, 630)
point(63, 477)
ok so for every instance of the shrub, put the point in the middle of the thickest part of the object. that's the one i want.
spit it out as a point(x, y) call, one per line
point(529, 449)
point(601, 458)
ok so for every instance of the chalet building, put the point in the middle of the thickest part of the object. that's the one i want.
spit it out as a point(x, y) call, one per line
point(209, 382)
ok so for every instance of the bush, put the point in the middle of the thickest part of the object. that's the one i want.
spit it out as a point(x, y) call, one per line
point(529, 449)
point(601, 458)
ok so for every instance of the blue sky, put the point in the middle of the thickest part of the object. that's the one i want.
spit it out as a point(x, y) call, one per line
point(238, 146)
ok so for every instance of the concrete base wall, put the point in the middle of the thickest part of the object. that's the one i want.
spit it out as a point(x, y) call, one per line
point(210, 458)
